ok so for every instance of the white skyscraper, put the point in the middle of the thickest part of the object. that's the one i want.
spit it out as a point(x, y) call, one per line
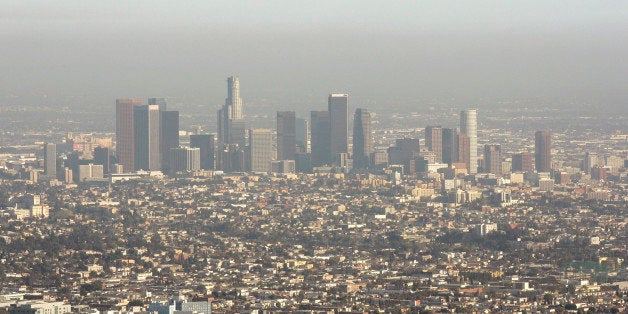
point(469, 126)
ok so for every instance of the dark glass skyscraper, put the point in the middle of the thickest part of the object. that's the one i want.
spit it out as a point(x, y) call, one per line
point(542, 151)
point(522, 162)
point(286, 135)
point(362, 138)
point(450, 146)
point(169, 135)
point(321, 138)
point(338, 107)
point(206, 144)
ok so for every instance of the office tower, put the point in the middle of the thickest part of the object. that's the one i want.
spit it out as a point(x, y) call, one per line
point(542, 151)
point(469, 126)
point(464, 150)
point(232, 113)
point(50, 160)
point(286, 135)
point(260, 150)
point(405, 152)
point(160, 102)
point(522, 162)
point(302, 135)
point(492, 159)
point(450, 146)
point(321, 138)
point(146, 125)
point(206, 144)
point(283, 166)
point(125, 132)
point(434, 141)
point(90, 172)
point(338, 107)
point(183, 159)
point(233, 100)
point(590, 161)
point(102, 156)
point(169, 135)
point(362, 138)
point(378, 159)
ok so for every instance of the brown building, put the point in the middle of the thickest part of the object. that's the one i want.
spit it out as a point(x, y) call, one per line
point(522, 162)
point(542, 151)
point(464, 150)
point(434, 141)
point(492, 159)
point(125, 135)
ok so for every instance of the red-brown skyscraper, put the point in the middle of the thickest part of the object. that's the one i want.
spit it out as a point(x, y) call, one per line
point(522, 162)
point(125, 135)
point(434, 141)
point(542, 151)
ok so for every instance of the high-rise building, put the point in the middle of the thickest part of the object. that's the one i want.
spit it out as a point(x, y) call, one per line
point(362, 138)
point(302, 135)
point(321, 138)
point(450, 146)
point(286, 135)
point(464, 150)
point(405, 152)
point(590, 161)
point(469, 126)
point(434, 141)
point(50, 160)
point(169, 135)
point(522, 162)
point(205, 143)
point(160, 102)
point(542, 151)
point(146, 125)
point(492, 159)
point(102, 156)
point(183, 159)
point(231, 127)
point(338, 107)
point(125, 132)
point(260, 150)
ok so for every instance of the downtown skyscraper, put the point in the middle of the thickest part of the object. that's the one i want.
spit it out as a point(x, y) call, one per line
point(338, 107)
point(145, 134)
point(469, 127)
point(125, 132)
point(362, 138)
point(286, 135)
point(543, 151)
point(434, 141)
point(231, 126)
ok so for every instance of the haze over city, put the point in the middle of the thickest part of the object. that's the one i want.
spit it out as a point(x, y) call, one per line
point(315, 157)
point(412, 54)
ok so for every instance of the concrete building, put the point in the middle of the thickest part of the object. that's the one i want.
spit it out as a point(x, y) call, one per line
point(260, 150)
point(469, 127)
point(50, 160)
point(184, 159)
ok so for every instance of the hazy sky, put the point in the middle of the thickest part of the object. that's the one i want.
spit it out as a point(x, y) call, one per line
point(293, 53)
